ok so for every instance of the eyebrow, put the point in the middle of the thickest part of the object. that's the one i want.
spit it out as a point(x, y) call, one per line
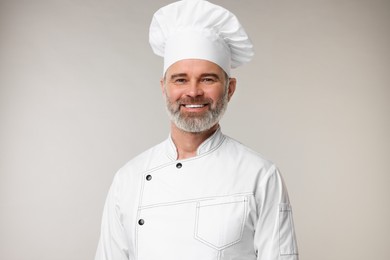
point(179, 75)
point(214, 75)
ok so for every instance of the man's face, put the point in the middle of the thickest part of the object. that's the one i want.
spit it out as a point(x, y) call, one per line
point(197, 93)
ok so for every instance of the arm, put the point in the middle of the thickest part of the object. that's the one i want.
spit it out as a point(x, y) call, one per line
point(274, 233)
point(112, 243)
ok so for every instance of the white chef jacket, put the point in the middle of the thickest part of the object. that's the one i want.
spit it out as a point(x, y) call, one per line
point(225, 203)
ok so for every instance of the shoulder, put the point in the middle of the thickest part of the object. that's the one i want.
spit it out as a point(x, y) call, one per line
point(242, 152)
point(145, 161)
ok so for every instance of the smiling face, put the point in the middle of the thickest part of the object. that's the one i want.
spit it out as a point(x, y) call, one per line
point(197, 93)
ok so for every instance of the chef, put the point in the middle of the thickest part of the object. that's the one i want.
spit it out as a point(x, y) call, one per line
point(199, 194)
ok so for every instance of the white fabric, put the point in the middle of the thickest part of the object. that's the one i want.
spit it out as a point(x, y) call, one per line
point(198, 29)
point(225, 203)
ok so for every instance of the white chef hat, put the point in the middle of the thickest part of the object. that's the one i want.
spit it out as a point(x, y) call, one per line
point(197, 29)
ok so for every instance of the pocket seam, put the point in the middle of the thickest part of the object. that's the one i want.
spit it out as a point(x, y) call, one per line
point(200, 239)
point(285, 208)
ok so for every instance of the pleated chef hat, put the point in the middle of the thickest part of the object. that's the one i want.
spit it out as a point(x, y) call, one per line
point(197, 29)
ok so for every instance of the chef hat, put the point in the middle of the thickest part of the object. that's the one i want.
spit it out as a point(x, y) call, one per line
point(197, 29)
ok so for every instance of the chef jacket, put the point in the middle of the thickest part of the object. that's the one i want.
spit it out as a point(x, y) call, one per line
point(227, 202)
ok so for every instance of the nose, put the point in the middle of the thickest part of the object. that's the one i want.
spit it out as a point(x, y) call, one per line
point(194, 89)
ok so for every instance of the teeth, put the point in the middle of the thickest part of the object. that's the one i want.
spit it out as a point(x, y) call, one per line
point(194, 106)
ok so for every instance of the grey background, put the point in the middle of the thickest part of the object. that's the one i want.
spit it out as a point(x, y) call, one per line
point(79, 97)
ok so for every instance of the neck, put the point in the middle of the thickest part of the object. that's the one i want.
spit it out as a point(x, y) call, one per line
point(187, 143)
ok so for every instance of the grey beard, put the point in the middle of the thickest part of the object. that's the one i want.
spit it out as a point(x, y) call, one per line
point(197, 124)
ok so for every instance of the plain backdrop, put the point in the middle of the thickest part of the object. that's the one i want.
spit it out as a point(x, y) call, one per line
point(79, 97)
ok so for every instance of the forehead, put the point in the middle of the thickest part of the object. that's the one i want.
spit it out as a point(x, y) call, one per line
point(194, 67)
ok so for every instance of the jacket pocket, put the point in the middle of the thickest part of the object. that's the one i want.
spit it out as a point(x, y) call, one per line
point(287, 241)
point(220, 221)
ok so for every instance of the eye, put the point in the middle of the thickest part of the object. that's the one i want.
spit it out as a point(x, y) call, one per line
point(208, 80)
point(180, 81)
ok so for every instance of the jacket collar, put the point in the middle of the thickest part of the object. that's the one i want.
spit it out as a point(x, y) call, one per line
point(210, 144)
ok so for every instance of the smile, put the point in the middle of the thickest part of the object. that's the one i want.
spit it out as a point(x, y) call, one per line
point(194, 106)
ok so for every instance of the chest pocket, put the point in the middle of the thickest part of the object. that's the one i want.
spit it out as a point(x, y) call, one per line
point(220, 221)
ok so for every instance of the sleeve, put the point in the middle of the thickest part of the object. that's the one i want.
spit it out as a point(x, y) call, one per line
point(274, 237)
point(112, 242)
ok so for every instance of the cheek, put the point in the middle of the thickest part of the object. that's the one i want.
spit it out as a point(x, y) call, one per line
point(172, 93)
point(173, 97)
point(216, 94)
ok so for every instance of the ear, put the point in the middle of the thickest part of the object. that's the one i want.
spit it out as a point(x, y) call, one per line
point(162, 85)
point(232, 87)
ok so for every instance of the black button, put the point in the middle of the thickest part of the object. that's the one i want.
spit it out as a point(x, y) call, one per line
point(141, 222)
point(179, 165)
point(148, 177)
